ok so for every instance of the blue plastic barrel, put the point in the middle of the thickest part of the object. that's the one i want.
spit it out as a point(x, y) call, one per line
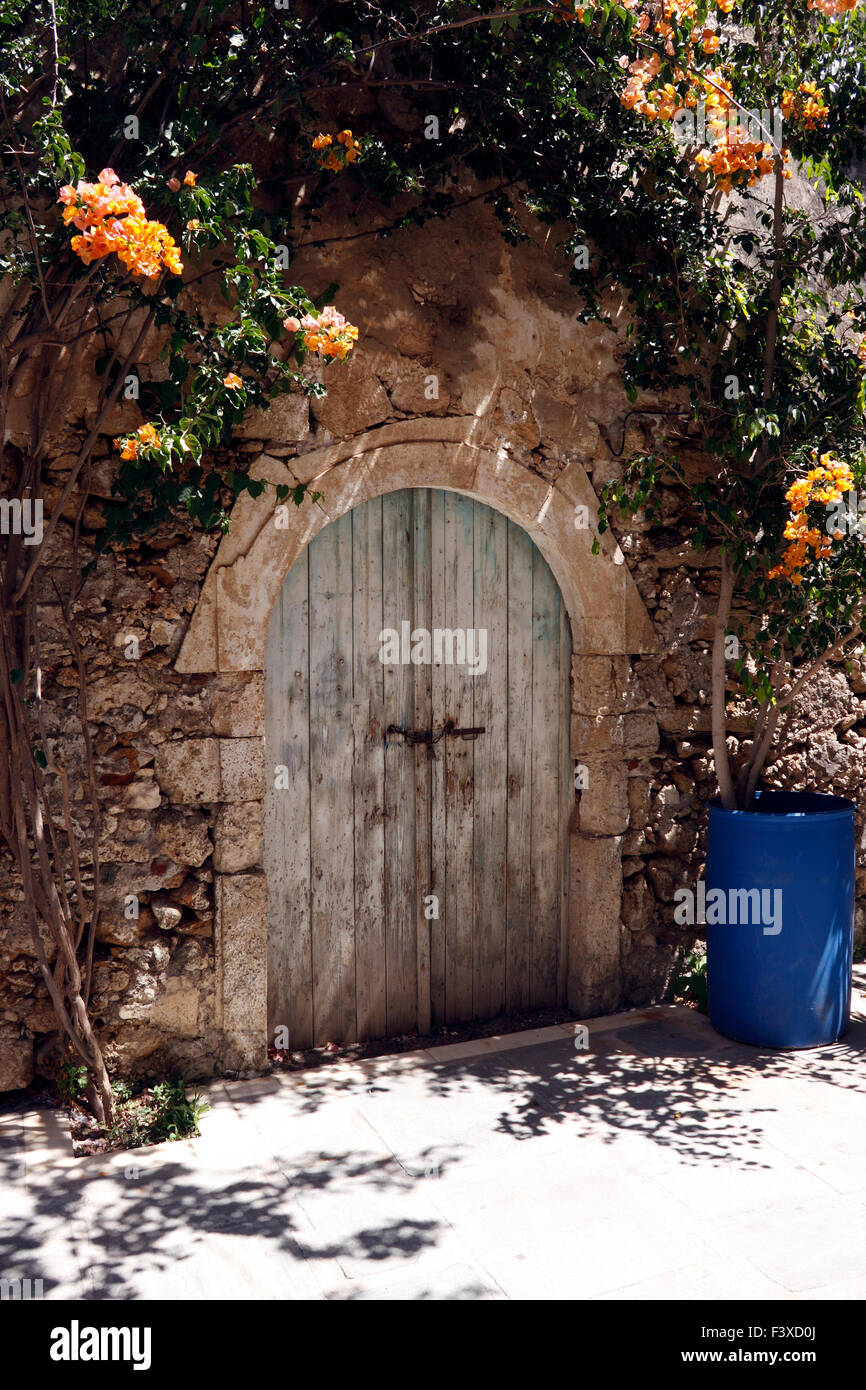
point(783, 980)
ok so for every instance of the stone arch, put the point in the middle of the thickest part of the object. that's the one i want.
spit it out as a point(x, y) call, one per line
point(227, 631)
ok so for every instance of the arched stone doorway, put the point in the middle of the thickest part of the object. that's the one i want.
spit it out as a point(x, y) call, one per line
point(228, 633)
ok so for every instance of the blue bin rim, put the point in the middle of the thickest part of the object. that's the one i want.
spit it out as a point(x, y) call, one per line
point(810, 804)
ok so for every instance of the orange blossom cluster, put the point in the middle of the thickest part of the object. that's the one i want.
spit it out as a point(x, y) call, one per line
point(334, 153)
point(330, 334)
point(111, 218)
point(827, 482)
point(130, 444)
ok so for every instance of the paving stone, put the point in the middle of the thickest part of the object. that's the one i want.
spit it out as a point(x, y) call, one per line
point(800, 1245)
point(696, 1283)
point(366, 1226)
point(719, 1188)
point(553, 1229)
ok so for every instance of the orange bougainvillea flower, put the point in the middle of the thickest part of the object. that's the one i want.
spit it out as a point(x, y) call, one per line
point(335, 152)
point(806, 105)
point(330, 335)
point(130, 444)
point(827, 482)
point(111, 219)
point(233, 381)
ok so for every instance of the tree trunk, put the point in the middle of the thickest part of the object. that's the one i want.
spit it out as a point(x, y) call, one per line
point(719, 727)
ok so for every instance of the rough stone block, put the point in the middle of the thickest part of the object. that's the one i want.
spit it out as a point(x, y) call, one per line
point(594, 734)
point(287, 420)
point(238, 837)
point(239, 712)
point(208, 770)
point(604, 801)
point(244, 1052)
point(356, 400)
point(242, 769)
point(194, 893)
point(593, 686)
point(594, 963)
point(122, 687)
point(143, 794)
point(167, 913)
point(188, 771)
point(176, 1009)
point(638, 904)
point(640, 734)
point(242, 932)
point(16, 1060)
point(115, 929)
point(408, 386)
point(634, 734)
point(184, 837)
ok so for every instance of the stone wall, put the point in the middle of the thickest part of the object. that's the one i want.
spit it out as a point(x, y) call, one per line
point(178, 742)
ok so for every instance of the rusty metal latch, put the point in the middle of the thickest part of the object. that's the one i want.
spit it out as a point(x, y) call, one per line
point(427, 736)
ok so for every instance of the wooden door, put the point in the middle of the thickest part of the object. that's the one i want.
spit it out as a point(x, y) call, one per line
point(415, 882)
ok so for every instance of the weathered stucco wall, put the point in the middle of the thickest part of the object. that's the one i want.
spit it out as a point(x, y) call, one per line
point(528, 413)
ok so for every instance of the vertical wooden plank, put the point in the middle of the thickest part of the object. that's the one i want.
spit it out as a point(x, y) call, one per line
point(490, 692)
point(567, 794)
point(287, 811)
point(458, 757)
point(545, 886)
point(439, 869)
point(518, 972)
point(369, 769)
point(400, 890)
point(421, 579)
point(331, 760)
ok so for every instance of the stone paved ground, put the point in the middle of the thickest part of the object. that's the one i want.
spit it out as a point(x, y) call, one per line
point(665, 1162)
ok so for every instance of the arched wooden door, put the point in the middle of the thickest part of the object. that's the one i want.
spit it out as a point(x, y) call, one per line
point(412, 883)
